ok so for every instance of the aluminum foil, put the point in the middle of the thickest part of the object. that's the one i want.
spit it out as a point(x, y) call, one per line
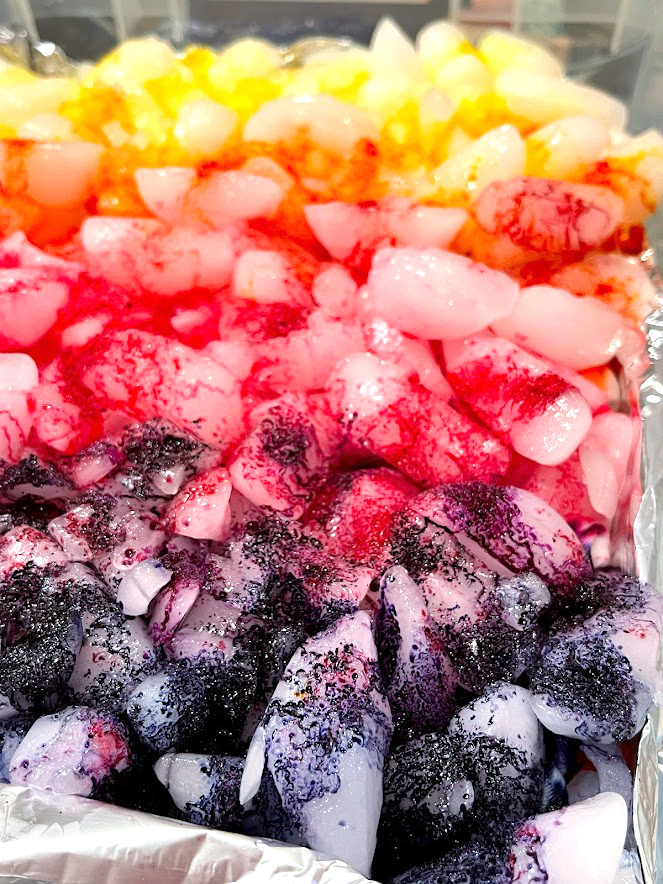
point(648, 536)
point(55, 839)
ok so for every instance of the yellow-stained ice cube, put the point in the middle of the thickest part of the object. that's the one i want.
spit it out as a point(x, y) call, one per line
point(203, 126)
point(464, 77)
point(133, 63)
point(23, 96)
point(505, 52)
point(438, 43)
point(496, 156)
point(566, 147)
point(542, 99)
point(244, 59)
point(45, 127)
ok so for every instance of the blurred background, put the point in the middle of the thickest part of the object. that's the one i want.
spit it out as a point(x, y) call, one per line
point(616, 45)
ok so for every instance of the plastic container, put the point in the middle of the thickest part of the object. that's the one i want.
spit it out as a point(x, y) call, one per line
point(605, 43)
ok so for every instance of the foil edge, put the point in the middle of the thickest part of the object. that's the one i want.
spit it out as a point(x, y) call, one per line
point(648, 539)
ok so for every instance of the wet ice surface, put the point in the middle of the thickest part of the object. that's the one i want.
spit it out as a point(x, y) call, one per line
point(579, 843)
point(461, 865)
point(419, 679)
point(508, 529)
point(12, 732)
point(205, 788)
point(597, 679)
point(397, 726)
point(413, 691)
point(72, 752)
point(304, 488)
point(324, 738)
point(429, 795)
point(486, 624)
point(167, 708)
point(503, 712)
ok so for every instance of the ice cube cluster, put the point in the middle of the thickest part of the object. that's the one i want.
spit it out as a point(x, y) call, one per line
point(398, 677)
point(314, 444)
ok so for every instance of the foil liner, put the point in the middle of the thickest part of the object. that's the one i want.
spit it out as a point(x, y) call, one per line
point(648, 536)
point(55, 839)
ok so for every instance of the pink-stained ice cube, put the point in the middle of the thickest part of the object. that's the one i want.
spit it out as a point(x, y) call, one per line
point(165, 191)
point(23, 545)
point(352, 233)
point(601, 481)
point(304, 359)
point(15, 424)
point(354, 514)
point(619, 281)
point(521, 397)
point(509, 529)
point(327, 586)
point(152, 376)
point(18, 378)
point(80, 333)
point(200, 509)
point(288, 455)
point(17, 251)
point(251, 322)
point(142, 254)
point(335, 291)
point(562, 487)
point(185, 321)
point(237, 356)
point(593, 386)
point(235, 195)
point(62, 174)
point(549, 216)
point(56, 420)
point(412, 429)
point(604, 458)
point(437, 295)
point(266, 167)
point(575, 845)
point(578, 332)
point(431, 442)
point(363, 384)
point(18, 373)
point(413, 355)
point(176, 195)
point(30, 299)
point(267, 277)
